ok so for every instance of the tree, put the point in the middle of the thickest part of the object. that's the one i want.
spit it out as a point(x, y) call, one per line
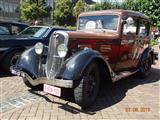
point(33, 9)
point(148, 7)
point(63, 13)
point(105, 6)
point(79, 7)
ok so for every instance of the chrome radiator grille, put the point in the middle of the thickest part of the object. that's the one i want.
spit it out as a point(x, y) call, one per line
point(54, 61)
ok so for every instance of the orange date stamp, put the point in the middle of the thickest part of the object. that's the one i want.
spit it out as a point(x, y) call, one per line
point(137, 109)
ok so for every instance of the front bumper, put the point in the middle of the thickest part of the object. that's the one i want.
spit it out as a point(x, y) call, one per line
point(42, 80)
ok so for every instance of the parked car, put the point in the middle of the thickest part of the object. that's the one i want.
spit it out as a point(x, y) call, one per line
point(11, 28)
point(12, 47)
point(108, 45)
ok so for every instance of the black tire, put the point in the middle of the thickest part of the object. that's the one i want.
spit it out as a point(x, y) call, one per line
point(145, 67)
point(10, 59)
point(28, 84)
point(86, 92)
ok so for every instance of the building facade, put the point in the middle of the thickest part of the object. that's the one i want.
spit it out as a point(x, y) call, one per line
point(10, 10)
point(50, 3)
point(49, 19)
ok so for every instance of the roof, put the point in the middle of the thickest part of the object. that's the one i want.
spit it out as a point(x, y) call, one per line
point(114, 11)
point(13, 23)
point(54, 27)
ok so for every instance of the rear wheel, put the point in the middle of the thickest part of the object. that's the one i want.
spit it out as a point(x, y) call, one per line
point(145, 67)
point(9, 60)
point(86, 92)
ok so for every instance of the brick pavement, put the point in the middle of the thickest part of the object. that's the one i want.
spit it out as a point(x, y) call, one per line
point(128, 99)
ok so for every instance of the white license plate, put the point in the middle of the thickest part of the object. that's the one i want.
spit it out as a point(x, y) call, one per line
point(52, 90)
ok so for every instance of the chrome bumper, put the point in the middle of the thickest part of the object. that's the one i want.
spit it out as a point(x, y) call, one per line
point(42, 80)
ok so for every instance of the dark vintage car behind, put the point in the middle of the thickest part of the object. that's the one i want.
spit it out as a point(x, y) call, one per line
point(12, 46)
point(11, 28)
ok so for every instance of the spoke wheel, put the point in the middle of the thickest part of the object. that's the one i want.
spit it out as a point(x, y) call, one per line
point(86, 92)
point(145, 67)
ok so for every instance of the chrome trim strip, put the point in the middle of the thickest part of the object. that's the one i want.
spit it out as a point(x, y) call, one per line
point(44, 80)
point(3, 49)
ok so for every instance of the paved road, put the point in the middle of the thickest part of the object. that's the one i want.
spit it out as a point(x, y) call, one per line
point(130, 98)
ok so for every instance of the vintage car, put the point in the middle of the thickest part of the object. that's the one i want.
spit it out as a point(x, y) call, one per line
point(11, 47)
point(108, 45)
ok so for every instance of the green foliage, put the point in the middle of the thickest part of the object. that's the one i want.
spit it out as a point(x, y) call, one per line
point(79, 7)
point(148, 7)
point(72, 27)
point(33, 9)
point(153, 42)
point(104, 6)
point(63, 13)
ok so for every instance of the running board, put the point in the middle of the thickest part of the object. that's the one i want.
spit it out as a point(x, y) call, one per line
point(123, 75)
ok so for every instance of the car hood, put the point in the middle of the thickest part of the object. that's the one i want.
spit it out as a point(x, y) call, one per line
point(94, 34)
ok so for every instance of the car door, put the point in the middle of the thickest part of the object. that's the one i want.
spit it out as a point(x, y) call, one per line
point(142, 40)
point(129, 45)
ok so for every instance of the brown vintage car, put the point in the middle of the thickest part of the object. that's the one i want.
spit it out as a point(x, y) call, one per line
point(108, 45)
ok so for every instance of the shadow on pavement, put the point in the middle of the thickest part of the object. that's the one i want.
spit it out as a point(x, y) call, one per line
point(5, 74)
point(108, 94)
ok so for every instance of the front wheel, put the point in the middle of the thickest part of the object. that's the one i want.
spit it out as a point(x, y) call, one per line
point(86, 92)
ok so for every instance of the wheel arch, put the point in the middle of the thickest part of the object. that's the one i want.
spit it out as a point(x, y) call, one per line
point(104, 69)
point(75, 67)
point(146, 52)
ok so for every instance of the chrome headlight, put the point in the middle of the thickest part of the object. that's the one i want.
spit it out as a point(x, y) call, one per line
point(62, 50)
point(39, 48)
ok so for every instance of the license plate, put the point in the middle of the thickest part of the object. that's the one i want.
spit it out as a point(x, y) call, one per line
point(52, 90)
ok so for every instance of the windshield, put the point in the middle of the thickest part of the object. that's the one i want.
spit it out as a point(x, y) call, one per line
point(106, 22)
point(34, 31)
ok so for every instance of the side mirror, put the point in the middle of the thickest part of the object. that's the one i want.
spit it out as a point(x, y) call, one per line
point(129, 21)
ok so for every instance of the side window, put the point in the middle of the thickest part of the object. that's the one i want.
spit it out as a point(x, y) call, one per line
point(143, 29)
point(130, 26)
point(15, 29)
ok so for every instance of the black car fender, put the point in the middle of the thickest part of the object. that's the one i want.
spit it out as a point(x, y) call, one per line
point(31, 63)
point(147, 51)
point(74, 67)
